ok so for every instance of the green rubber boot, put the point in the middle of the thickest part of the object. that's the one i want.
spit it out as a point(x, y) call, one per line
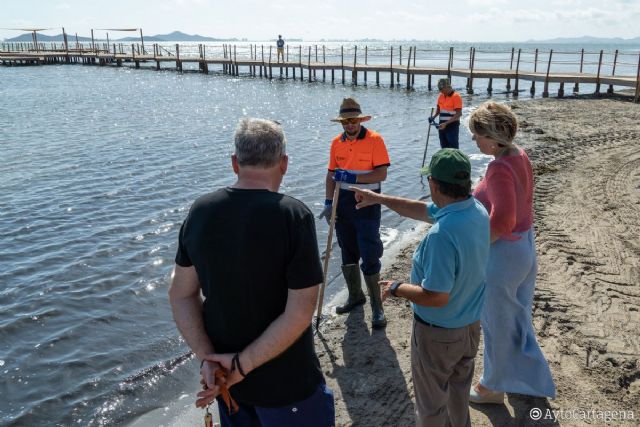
point(351, 274)
point(378, 320)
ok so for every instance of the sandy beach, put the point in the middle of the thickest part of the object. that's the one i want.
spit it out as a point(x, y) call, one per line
point(586, 157)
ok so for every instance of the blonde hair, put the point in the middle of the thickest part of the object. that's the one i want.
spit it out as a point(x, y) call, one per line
point(495, 121)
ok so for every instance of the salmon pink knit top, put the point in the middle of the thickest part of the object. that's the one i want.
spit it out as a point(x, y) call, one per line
point(507, 193)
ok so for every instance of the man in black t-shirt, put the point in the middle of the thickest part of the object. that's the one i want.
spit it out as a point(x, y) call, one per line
point(253, 253)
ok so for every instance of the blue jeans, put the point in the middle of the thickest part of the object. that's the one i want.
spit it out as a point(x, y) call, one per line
point(315, 411)
point(449, 136)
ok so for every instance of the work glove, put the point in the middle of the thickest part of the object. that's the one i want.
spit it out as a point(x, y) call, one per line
point(344, 176)
point(431, 119)
point(326, 211)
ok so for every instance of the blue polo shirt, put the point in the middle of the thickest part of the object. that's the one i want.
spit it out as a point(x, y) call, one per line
point(452, 258)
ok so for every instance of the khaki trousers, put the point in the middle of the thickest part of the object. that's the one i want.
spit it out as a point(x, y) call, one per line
point(442, 362)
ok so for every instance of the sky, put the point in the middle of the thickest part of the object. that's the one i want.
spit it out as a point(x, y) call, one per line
point(459, 20)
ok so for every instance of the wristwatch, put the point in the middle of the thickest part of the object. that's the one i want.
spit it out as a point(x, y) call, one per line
point(394, 287)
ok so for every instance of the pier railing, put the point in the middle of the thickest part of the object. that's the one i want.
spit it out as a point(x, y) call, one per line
point(400, 64)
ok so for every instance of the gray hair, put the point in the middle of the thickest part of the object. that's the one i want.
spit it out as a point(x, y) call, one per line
point(495, 121)
point(259, 142)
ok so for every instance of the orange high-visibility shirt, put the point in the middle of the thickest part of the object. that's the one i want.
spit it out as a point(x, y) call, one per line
point(448, 105)
point(359, 156)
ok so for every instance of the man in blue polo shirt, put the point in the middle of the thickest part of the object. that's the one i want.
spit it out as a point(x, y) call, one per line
point(446, 289)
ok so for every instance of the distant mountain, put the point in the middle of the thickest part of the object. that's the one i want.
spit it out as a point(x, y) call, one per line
point(178, 36)
point(175, 36)
point(588, 39)
point(26, 37)
point(137, 39)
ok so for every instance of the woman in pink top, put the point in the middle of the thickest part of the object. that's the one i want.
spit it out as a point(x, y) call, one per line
point(513, 361)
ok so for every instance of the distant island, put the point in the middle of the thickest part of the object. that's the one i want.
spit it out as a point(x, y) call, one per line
point(175, 36)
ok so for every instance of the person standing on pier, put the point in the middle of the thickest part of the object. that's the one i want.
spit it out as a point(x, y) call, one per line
point(449, 110)
point(280, 46)
point(253, 254)
point(358, 158)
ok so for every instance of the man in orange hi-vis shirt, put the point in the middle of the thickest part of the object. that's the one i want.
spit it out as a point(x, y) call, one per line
point(450, 110)
point(358, 158)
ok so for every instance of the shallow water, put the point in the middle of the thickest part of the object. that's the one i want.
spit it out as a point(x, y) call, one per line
point(100, 166)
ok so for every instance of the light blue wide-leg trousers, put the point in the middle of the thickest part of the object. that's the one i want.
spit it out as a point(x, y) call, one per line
point(513, 360)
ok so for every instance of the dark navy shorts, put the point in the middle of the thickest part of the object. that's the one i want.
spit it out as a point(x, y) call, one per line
point(315, 411)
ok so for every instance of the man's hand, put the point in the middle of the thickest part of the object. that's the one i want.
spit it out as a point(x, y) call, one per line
point(345, 176)
point(326, 211)
point(385, 286)
point(365, 197)
point(226, 361)
point(211, 388)
point(442, 126)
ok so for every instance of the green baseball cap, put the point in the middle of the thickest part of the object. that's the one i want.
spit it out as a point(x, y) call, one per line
point(449, 165)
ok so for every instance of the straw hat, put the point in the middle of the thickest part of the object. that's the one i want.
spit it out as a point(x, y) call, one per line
point(350, 109)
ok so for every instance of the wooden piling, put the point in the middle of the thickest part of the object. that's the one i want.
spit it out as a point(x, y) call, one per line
point(450, 63)
point(598, 75)
point(576, 87)
point(270, 67)
point(136, 62)
point(309, 65)
point(473, 63)
point(178, 62)
point(399, 63)
point(314, 70)
point(561, 90)
point(515, 89)
point(391, 66)
point(490, 87)
point(469, 67)
point(413, 76)
point(354, 73)
point(545, 92)
point(300, 62)
point(408, 65)
point(535, 69)
point(342, 62)
point(324, 61)
point(613, 71)
point(513, 50)
point(366, 58)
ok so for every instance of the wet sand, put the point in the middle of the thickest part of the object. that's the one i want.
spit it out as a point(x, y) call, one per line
point(586, 157)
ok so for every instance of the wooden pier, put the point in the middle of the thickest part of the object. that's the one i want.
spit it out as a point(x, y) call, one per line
point(349, 64)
